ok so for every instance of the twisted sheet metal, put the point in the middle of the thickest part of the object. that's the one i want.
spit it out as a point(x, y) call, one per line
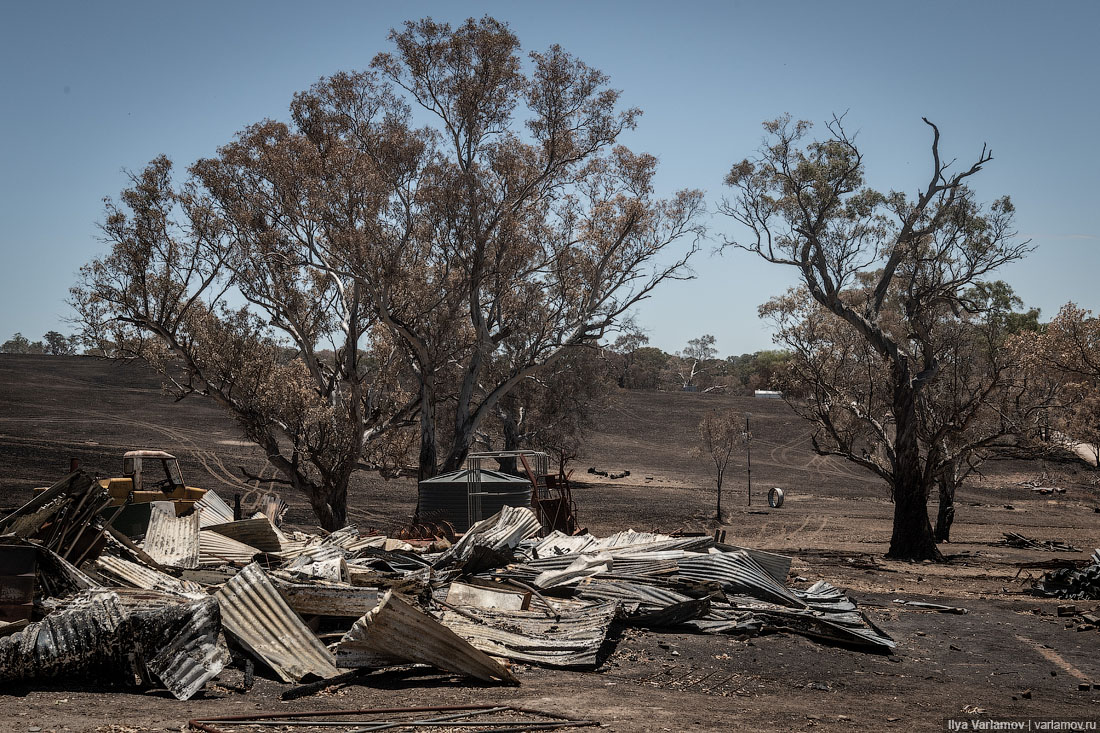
point(257, 532)
point(503, 530)
point(778, 566)
point(645, 605)
point(256, 615)
point(396, 631)
point(132, 575)
point(173, 639)
point(212, 510)
point(739, 573)
point(217, 549)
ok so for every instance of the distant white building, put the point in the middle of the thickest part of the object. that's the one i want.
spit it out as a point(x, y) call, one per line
point(768, 394)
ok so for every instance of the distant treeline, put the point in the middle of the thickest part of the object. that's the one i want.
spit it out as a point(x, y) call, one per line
point(54, 343)
point(636, 365)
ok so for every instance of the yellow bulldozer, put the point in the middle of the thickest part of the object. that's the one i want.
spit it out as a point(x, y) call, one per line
point(147, 476)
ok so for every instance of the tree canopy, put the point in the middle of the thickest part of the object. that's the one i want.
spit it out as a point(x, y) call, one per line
point(421, 240)
point(886, 277)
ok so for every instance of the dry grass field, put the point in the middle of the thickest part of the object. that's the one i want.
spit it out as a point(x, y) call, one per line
point(1010, 656)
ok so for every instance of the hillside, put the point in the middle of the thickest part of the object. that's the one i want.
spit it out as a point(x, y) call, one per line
point(835, 525)
point(57, 408)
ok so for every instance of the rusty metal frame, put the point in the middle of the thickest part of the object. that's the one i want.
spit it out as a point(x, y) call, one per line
point(326, 718)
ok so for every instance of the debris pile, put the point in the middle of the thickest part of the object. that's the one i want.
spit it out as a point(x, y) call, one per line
point(1012, 539)
point(201, 587)
point(1073, 583)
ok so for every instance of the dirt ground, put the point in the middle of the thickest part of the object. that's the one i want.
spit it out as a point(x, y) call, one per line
point(1011, 656)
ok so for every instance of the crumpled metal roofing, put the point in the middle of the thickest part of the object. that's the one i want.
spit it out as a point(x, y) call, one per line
point(139, 576)
point(255, 613)
point(322, 598)
point(112, 631)
point(555, 543)
point(395, 631)
point(738, 572)
point(1075, 583)
point(566, 639)
point(172, 540)
point(257, 532)
point(217, 549)
point(778, 566)
point(212, 510)
point(650, 542)
point(503, 530)
point(641, 604)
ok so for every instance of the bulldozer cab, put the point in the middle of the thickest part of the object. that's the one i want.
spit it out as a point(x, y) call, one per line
point(152, 470)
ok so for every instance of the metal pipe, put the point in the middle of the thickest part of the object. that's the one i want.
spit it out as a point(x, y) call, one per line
point(748, 454)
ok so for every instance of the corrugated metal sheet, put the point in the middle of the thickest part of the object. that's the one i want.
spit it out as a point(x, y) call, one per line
point(213, 510)
point(505, 529)
point(738, 572)
point(258, 532)
point(778, 566)
point(649, 542)
point(645, 605)
point(138, 576)
point(321, 598)
point(217, 549)
point(556, 543)
point(260, 619)
point(172, 540)
point(109, 632)
point(193, 656)
point(396, 631)
point(565, 640)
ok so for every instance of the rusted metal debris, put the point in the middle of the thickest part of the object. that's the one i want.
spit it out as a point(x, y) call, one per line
point(64, 518)
point(569, 638)
point(321, 598)
point(483, 717)
point(499, 592)
point(1073, 583)
point(1012, 539)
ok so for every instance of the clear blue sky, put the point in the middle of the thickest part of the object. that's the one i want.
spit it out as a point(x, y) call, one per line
point(90, 89)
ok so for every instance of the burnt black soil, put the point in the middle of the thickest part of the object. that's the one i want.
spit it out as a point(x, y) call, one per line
point(1010, 656)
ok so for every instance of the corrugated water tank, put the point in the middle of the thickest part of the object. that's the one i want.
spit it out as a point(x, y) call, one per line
point(445, 496)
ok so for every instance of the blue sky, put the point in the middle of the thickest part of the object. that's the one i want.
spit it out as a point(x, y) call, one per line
point(90, 89)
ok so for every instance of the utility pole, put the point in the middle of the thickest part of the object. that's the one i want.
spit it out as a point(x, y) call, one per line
point(748, 453)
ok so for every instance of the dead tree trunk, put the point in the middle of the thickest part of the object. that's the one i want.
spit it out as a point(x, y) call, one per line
point(948, 482)
point(428, 452)
point(946, 515)
point(330, 504)
point(912, 537)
